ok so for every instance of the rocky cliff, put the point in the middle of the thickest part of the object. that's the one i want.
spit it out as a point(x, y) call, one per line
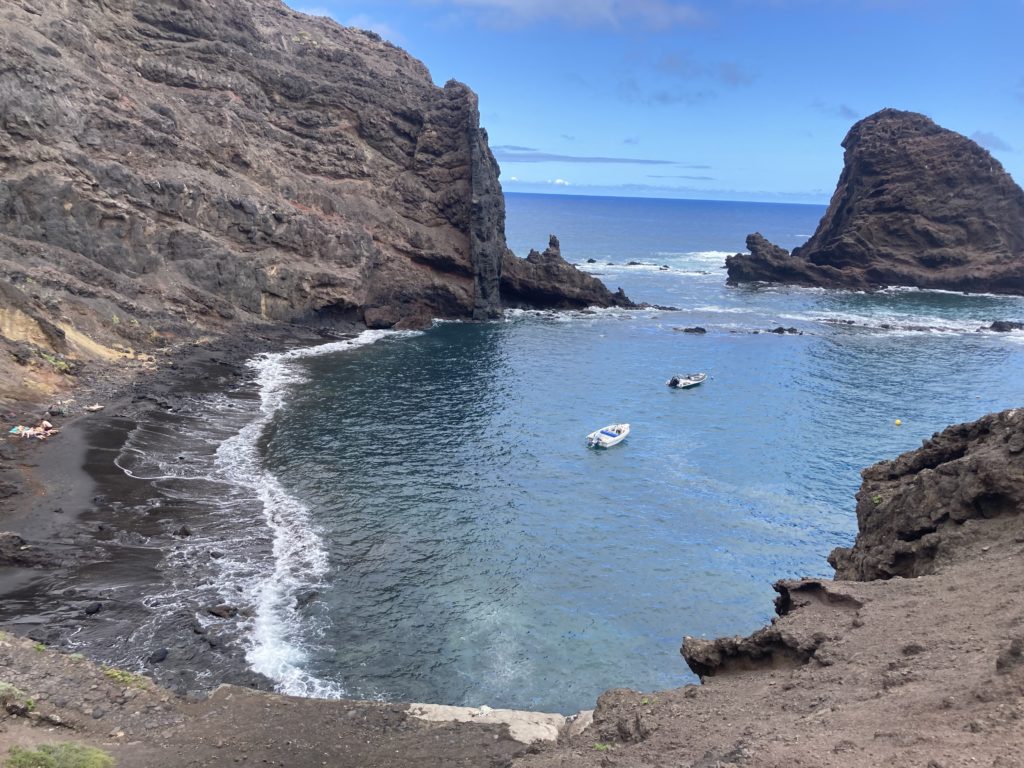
point(916, 205)
point(175, 167)
point(961, 491)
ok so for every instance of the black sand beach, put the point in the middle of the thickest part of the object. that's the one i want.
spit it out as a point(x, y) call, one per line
point(100, 538)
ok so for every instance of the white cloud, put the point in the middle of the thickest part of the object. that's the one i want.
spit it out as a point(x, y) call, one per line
point(359, 21)
point(560, 183)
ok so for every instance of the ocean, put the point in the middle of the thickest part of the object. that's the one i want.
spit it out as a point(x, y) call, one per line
point(416, 516)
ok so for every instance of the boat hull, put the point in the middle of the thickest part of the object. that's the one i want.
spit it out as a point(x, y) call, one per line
point(609, 436)
point(688, 381)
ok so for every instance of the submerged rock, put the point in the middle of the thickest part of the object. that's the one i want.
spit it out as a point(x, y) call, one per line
point(916, 205)
point(1005, 326)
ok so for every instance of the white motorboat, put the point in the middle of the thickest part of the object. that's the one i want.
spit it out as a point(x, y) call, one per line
point(686, 380)
point(606, 437)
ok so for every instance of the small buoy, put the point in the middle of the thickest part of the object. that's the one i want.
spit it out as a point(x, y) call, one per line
point(898, 422)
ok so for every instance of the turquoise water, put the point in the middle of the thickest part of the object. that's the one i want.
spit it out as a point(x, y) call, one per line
point(478, 553)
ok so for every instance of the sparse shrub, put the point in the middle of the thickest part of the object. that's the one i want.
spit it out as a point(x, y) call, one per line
point(8, 693)
point(58, 363)
point(67, 755)
point(124, 677)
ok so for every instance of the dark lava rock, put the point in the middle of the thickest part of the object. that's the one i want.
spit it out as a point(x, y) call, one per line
point(695, 329)
point(1005, 326)
point(201, 165)
point(781, 331)
point(157, 656)
point(14, 550)
point(915, 205)
point(634, 263)
point(548, 281)
point(1011, 657)
point(93, 608)
point(223, 611)
point(183, 531)
point(962, 489)
point(591, 261)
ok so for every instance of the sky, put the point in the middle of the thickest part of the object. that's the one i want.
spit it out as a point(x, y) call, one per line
point(708, 99)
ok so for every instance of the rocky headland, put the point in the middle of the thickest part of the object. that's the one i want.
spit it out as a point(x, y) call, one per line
point(175, 170)
point(916, 205)
point(231, 176)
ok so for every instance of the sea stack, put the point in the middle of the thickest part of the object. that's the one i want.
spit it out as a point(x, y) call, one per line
point(175, 169)
point(916, 205)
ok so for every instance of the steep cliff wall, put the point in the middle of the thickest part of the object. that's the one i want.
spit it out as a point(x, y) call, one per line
point(174, 167)
point(915, 205)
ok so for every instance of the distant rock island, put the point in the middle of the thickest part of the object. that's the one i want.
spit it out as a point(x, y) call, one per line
point(916, 205)
point(170, 170)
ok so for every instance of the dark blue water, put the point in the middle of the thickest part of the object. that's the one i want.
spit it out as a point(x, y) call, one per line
point(478, 553)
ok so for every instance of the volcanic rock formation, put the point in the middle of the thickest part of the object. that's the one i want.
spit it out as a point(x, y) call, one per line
point(931, 506)
point(173, 168)
point(916, 205)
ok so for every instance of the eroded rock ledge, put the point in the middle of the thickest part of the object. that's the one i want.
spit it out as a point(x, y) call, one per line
point(961, 491)
point(916, 205)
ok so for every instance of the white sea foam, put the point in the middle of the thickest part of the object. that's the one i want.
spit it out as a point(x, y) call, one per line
point(576, 315)
point(891, 323)
point(715, 256)
point(299, 558)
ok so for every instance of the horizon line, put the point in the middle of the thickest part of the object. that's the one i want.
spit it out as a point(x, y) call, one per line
point(659, 197)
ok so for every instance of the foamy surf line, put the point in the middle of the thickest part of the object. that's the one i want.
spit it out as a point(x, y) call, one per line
point(299, 558)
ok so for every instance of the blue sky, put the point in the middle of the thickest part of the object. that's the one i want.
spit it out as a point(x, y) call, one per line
point(708, 99)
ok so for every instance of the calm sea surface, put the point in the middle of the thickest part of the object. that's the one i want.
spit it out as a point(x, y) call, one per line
point(435, 490)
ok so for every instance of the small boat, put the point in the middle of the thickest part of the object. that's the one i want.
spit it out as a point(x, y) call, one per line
point(606, 437)
point(687, 380)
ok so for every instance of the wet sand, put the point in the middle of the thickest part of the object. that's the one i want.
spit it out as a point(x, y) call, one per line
point(102, 536)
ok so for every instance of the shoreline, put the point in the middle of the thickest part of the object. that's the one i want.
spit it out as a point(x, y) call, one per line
point(923, 670)
point(95, 563)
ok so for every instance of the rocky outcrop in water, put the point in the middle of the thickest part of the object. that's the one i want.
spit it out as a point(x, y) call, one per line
point(963, 489)
point(916, 205)
point(546, 280)
point(171, 168)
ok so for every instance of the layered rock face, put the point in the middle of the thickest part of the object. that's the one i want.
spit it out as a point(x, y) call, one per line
point(962, 489)
point(174, 167)
point(916, 205)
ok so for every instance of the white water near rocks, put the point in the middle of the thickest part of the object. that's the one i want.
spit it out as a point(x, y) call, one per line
point(269, 556)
